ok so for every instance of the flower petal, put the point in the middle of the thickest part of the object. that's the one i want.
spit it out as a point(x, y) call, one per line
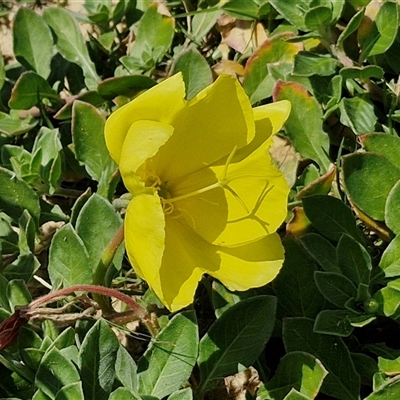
point(251, 265)
point(160, 103)
point(219, 119)
point(256, 193)
point(277, 113)
point(187, 256)
point(205, 212)
point(268, 120)
point(144, 235)
point(142, 141)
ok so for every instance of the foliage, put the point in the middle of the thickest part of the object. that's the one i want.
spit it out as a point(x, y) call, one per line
point(326, 327)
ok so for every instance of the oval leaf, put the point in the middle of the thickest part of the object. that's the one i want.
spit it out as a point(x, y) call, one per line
point(17, 196)
point(306, 134)
point(342, 381)
point(392, 210)
point(246, 325)
point(195, 70)
point(33, 43)
point(369, 177)
point(70, 42)
point(169, 360)
point(98, 355)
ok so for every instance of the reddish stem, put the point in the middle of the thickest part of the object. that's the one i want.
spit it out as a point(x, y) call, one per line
point(139, 311)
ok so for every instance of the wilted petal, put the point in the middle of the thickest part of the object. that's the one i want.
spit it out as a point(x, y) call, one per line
point(251, 265)
point(219, 119)
point(160, 103)
point(144, 235)
point(9, 329)
point(143, 140)
point(256, 192)
point(187, 256)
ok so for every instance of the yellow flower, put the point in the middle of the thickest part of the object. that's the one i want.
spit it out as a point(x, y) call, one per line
point(207, 198)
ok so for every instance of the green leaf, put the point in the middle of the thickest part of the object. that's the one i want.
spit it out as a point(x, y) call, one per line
point(71, 391)
point(96, 233)
point(22, 268)
point(33, 43)
point(222, 298)
point(384, 144)
point(27, 232)
point(2, 71)
point(129, 86)
point(321, 250)
point(296, 395)
point(90, 145)
point(293, 12)
point(351, 26)
point(184, 394)
point(306, 134)
point(369, 177)
point(126, 369)
point(236, 338)
point(295, 286)
point(309, 64)
point(298, 370)
point(91, 97)
point(383, 31)
point(30, 90)
point(337, 289)
point(8, 238)
point(353, 260)
point(12, 125)
point(392, 212)
point(365, 365)
point(333, 322)
point(203, 22)
point(98, 355)
point(70, 42)
point(18, 293)
point(17, 196)
point(318, 18)
point(388, 298)
point(389, 366)
point(390, 261)
point(246, 10)
point(195, 70)
point(358, 114)
point(153, 38)
point(276, 50)
point(55, 372)
point(69, 262)
point(331, 217)
point(123, 394)
point(48, 143)
point(39, 395)
point(342, 381)
point(363, 73)
point(170, 358)
point(388, 391)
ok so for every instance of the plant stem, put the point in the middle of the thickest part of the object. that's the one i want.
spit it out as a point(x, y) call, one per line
point(139, 311)
point(102, 267)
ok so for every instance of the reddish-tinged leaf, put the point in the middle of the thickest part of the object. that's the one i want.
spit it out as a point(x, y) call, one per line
point(322, 185)
point(299, 223)
point(257, 83)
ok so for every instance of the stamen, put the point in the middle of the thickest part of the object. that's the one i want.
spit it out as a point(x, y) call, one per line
point(167, 207)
